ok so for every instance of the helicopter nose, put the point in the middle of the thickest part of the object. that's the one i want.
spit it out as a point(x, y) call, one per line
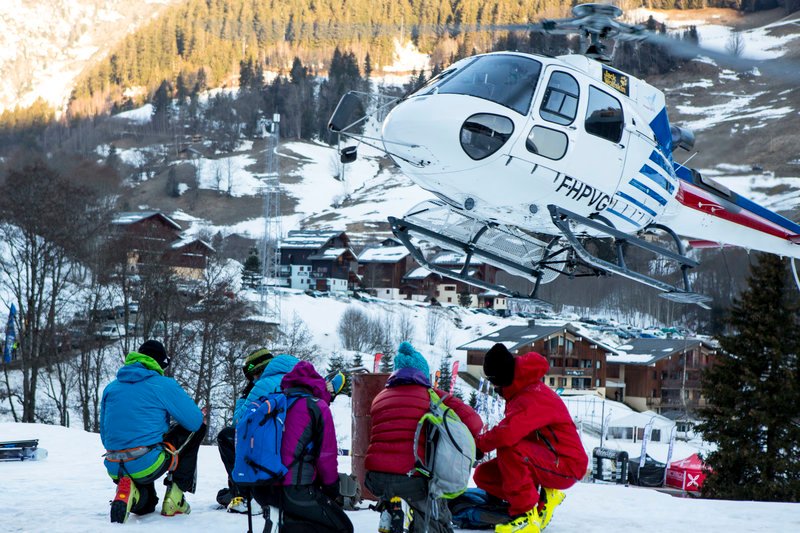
point(445, 132)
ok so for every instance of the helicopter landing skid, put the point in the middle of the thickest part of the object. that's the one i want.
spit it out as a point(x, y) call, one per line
point(562, 219)
point(482, 242)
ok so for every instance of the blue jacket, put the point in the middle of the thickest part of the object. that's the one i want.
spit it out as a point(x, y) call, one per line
point(269, 382)
point(136, 411)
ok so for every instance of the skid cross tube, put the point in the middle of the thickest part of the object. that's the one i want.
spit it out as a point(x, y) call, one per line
point(562, 217)
point(401, 228)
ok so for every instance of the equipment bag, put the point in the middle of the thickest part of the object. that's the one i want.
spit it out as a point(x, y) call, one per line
point(259, 434)
point(475, 510)
point(449, 450)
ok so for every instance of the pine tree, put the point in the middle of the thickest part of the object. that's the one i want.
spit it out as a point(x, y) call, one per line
point(445, 374)
point(473, 399)
point(358, 360)
point(753, 392)
point(387, 363)
point(252, 269)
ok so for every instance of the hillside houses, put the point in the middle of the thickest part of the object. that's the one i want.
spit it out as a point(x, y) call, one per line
point(151, 236)
point(648, 374)
point(318, 260)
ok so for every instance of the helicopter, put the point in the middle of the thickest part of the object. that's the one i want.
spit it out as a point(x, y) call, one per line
point(536, 160)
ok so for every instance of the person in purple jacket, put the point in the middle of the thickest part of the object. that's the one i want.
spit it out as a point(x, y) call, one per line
point(309, 451)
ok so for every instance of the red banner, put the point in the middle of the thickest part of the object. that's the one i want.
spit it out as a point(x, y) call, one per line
point(377, 363)
point(455, 376)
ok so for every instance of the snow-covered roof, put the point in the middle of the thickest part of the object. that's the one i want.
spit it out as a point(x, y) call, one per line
point(132, 217)
point(330, 253)
point(383, 254)
point(648, 351)
point(309, 238)
point(514, 337)
point(418, 273)
point(181, 243)
point(641, 420)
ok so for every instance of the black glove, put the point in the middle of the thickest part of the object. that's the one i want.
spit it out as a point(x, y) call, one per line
point(478, 454)
point(332, 490)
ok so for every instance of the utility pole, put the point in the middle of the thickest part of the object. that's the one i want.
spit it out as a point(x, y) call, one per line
point(270, 246)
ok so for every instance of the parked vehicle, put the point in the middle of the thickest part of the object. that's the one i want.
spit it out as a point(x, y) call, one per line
point(111, 331)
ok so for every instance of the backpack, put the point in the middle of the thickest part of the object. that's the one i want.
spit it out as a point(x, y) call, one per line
point(449, 450)
point(259, 435)
point(474, 510)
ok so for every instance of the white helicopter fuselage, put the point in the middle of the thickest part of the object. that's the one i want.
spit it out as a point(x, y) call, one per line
point(501, 136)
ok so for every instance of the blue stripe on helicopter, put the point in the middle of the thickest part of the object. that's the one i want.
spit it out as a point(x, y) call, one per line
point(648, 191)
point(623, 217)
point(653, 174)
point(686, 175)
point(636, 202)
point(659, 160)
point(660, 127)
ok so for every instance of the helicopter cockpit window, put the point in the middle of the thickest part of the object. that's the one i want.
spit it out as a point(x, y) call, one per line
point(604, 116)
point(504, 79)
point(560, 103)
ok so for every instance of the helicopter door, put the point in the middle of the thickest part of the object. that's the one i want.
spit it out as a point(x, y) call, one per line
point(575, 134)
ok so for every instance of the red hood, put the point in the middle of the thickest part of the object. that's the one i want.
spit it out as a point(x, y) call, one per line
point(528, 369)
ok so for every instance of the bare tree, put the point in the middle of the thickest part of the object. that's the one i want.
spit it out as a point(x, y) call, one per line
point(295, 338)
point(735, 44)
point(354, 329)
point(433, 324)
point(405, 327)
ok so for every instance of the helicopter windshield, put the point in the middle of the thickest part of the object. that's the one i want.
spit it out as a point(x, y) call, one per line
point(505, 79)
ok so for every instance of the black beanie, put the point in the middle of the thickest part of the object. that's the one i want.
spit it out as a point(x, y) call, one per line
point(156, 351)
point(498, 366)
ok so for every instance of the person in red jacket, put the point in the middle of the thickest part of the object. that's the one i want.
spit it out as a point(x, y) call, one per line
point(539, 452)
point(395, 412)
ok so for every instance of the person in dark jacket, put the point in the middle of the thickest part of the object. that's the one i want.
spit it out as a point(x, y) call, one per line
point(309, 451)
point(141, 446)
point(395, 412)
point(539, 451)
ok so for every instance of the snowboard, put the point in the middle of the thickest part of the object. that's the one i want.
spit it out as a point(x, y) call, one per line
point(22, 450)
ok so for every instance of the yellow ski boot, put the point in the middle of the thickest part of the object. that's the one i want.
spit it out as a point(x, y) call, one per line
point(174, 502)
point(552, 499)
point(126, 497)
point(527, 523)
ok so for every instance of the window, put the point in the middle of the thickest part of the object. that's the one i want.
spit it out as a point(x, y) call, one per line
point(604, 116)
point(552, 382)
point(597, 382)
point(508, 80)
point(552, 363)
point(598, 364)
point(562, 382)
point(569, 346)
point(560, 103)
point(547, 143)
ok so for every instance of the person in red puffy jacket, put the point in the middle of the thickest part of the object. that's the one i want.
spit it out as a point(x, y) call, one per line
point(539, 452)
point(395, 412)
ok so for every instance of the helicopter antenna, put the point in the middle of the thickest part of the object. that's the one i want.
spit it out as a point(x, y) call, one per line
point(690, 158)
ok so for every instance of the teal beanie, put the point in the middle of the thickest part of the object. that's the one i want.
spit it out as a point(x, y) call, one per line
point(408, 357)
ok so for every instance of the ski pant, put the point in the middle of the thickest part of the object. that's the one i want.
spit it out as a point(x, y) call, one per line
point(518, 473)
point(184, 475)
point(226, 444)
point(414, 490)
point(305, 509)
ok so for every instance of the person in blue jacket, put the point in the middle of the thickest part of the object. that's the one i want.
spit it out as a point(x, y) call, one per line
point(264, 374)
point(141, 445)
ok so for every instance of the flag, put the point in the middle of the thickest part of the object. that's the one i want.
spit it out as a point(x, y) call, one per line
point(11, 336)
point(455, 376)
point(648, 428)
point(436, 380)
point(376, 363)
point(669, 451)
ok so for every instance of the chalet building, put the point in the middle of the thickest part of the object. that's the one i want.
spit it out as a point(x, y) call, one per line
point(577, 362)
point(661, 375)
point(153, 237)
point(420, 284)
point(492, 300)
point(383, 267)
point(318, 260)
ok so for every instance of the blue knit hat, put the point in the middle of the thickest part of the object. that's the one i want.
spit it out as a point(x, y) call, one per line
point(408, 357)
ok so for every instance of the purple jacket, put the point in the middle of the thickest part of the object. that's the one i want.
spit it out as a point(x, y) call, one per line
point(309, 439)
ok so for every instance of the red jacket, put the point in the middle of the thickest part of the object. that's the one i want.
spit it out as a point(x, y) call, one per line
point(535, 413)
point(395, 412)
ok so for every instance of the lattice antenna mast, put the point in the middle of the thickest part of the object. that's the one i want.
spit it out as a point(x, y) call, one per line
point(270, 247)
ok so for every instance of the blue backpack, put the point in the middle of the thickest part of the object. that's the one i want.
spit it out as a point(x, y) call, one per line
point(259, 434)
point(475, 510)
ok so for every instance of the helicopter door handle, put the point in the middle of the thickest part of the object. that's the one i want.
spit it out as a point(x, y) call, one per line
point(572, 127)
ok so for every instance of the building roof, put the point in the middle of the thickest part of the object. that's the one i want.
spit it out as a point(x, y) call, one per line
point(310, 239)
point(418, 273)
point(132, 217)
point(515, 337)
point(182, 243)
point(648, 351)
point(383, 254)
point(330, 254)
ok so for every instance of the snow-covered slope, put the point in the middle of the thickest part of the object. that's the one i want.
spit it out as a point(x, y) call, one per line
point(69, 492)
